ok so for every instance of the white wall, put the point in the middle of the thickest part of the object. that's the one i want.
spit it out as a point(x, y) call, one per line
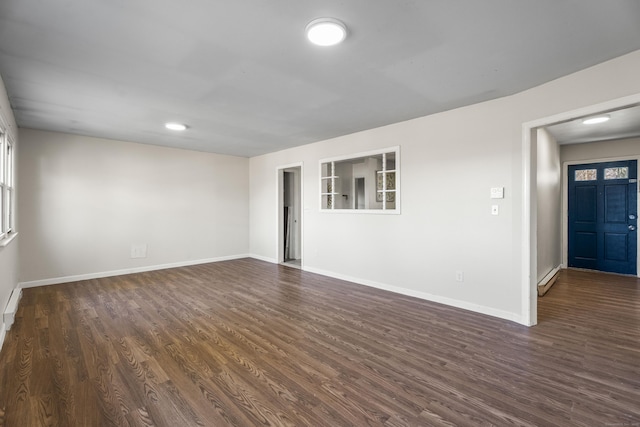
point(445, 225)
point(600, 150)
point(549, 204)
point(9, 253)
point(449, 163)
point(84, 201)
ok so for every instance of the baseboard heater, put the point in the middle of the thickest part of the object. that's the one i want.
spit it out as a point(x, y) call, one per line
point(12, 307)
point(549, 280)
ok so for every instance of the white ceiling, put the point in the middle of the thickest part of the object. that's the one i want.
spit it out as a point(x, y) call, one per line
point(241, 74)
point(623, 123)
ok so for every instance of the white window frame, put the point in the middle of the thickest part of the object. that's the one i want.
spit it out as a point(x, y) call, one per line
point(7, 187)
point(331, 176)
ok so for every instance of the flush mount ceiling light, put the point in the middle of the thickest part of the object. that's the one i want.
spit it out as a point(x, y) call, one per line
point(175, 126)
point(326, 31)
point(596, 120)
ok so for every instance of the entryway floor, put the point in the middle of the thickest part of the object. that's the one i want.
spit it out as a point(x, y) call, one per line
point(295, 263)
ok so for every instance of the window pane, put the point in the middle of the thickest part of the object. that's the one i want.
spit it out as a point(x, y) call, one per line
point(2, 158)
point(616, 173)
point(391, 161)
point(366, 182)
point(2, 218)
point(327, 169)
point(9, 164)
point(391, 180)
point(11, 225)
point(379, 184)
point(327, 187)
point(586, 175)
point(327, 202)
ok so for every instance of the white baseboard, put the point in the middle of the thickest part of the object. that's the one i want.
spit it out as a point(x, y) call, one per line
point(9, 315)
point(76, 278)
point(514, 317)
point(264, 258)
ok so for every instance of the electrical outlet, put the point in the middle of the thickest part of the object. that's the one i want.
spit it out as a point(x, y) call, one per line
point(459, 276)
point(139, 250)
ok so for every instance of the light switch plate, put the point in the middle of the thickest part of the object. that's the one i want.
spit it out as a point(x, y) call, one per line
point(497, 193)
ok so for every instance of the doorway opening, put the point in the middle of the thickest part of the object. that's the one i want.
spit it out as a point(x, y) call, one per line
point(290, 216)
point(535, 242)
point(359, 201)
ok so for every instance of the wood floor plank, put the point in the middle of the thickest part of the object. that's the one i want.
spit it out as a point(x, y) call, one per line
point(244, 342)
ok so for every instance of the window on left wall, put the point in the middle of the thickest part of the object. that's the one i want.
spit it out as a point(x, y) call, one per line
point(7, 190)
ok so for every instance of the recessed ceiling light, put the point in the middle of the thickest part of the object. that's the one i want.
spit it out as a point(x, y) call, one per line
point(175, 126)
point(596, 120)
point(326, 31)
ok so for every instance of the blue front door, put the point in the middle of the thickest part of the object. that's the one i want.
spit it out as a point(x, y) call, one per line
point(603, 216)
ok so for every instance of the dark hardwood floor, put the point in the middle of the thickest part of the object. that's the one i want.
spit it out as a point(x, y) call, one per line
point(250, 343)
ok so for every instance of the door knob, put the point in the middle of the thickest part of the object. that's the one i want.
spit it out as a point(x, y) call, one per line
point(632, 227)
point(632, 216)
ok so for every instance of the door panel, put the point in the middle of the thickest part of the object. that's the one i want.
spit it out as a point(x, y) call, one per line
point(586, 245)
point(615, 247)
point(615, 203)
point(586, 204)
point(602, 216)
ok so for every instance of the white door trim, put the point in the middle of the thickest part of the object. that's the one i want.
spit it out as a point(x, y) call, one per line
point(279, 188)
